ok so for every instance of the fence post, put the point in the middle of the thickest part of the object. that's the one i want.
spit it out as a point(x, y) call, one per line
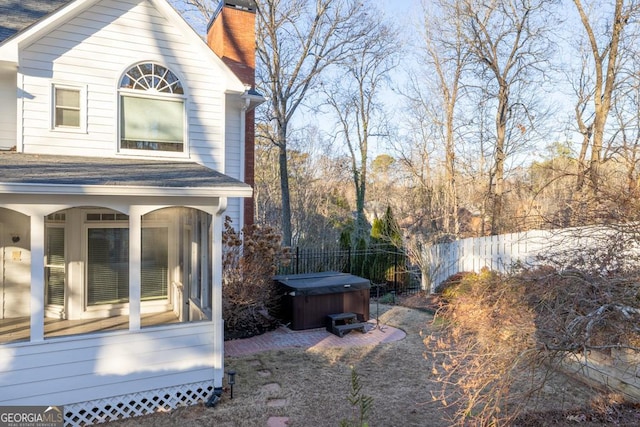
point(297, 259)
point(395, 270)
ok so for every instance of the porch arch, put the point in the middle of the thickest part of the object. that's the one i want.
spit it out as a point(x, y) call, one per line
point(186, 233)
point(87, 277)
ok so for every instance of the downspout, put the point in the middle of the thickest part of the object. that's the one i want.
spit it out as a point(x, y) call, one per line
point(243, 147)
point(20, 113)
point(216, 302)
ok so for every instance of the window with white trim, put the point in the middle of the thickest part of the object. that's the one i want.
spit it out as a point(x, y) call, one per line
point(152, 113)
point(67, 107)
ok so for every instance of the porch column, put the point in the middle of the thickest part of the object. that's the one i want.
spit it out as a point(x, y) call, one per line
point(216, 293)
point(135, 251)
point(37, 277)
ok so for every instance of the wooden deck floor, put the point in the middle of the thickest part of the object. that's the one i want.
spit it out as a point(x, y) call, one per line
point(17, 329)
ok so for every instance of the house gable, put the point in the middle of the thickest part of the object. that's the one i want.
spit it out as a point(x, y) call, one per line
point(86, 46)
point(91, 50)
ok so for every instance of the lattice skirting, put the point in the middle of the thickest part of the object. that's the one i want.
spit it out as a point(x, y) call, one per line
point(136, 404)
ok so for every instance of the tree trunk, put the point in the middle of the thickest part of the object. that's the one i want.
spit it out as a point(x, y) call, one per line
point(451, 215)
point(286, 202)
point(497, 193)
point(604, 80)
point(586, 139)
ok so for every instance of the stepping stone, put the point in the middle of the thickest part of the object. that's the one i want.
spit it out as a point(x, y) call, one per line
point(276, 403)
point(264, 373)
point(278, 422)
point(271, 387)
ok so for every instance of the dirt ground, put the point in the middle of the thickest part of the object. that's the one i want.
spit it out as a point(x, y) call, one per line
point(310, 387)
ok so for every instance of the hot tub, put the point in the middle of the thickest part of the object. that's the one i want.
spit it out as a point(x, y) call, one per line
point(309, 298)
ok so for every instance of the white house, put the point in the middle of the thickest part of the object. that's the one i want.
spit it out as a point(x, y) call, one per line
point(122, 148)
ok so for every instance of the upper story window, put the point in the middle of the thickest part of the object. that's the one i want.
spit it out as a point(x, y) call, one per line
point(68, 113)
point(152, 113)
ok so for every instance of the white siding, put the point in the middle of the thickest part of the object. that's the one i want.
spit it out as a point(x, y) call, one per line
point(76, 369)
point(233, 158)
point(233, 134)
point(15, 273)
point(93, 50)
point(8, 105)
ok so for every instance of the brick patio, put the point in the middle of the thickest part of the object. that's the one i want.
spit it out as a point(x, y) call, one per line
point(284, 337)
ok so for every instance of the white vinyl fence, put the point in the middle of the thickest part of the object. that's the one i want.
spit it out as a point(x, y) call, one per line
point(580, 247)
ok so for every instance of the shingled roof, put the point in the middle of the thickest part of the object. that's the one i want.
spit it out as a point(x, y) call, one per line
point(34, 169)
point(17, 15)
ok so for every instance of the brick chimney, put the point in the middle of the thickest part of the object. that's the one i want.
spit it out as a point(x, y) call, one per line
point(231, 35)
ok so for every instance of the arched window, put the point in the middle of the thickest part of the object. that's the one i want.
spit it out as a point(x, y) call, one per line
point(151, 109)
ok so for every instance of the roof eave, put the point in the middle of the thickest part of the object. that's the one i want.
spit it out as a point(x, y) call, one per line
point(10, 47)
point(239, 190)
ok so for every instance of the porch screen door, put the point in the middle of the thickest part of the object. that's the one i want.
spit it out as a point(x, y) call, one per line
point(54, 266)
point(107, 266)
point(155, 263)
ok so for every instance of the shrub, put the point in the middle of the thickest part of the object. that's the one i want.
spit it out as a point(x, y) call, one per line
point(500, 337)
point(487, 332)
point(249, 263)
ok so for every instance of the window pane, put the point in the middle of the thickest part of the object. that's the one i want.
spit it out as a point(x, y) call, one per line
point(67, 107)
point(146, 68)
point(155, 263)
point(107, 266)
point(149, 76)
point(152, 120)
point(67, 98)
point(67, 117)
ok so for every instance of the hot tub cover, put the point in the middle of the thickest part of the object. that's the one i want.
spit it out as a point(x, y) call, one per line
point(322, 283)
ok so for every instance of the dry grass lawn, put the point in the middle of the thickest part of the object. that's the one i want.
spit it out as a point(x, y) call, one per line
point(310, 387)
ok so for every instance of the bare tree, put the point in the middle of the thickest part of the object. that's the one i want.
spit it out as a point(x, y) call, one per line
point(583, 90)
point(508, 43)
point(317, 178)
point(296, 41)
point(266, 190)
point(446, 53)
point(197, 12)
point(383, 181)
point(354, 99)
point(605, 54)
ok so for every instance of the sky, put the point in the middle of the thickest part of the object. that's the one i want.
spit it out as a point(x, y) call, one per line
point(397, 8)
point(405, 12)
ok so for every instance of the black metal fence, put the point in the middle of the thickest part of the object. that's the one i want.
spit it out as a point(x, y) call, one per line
point(386, 267)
